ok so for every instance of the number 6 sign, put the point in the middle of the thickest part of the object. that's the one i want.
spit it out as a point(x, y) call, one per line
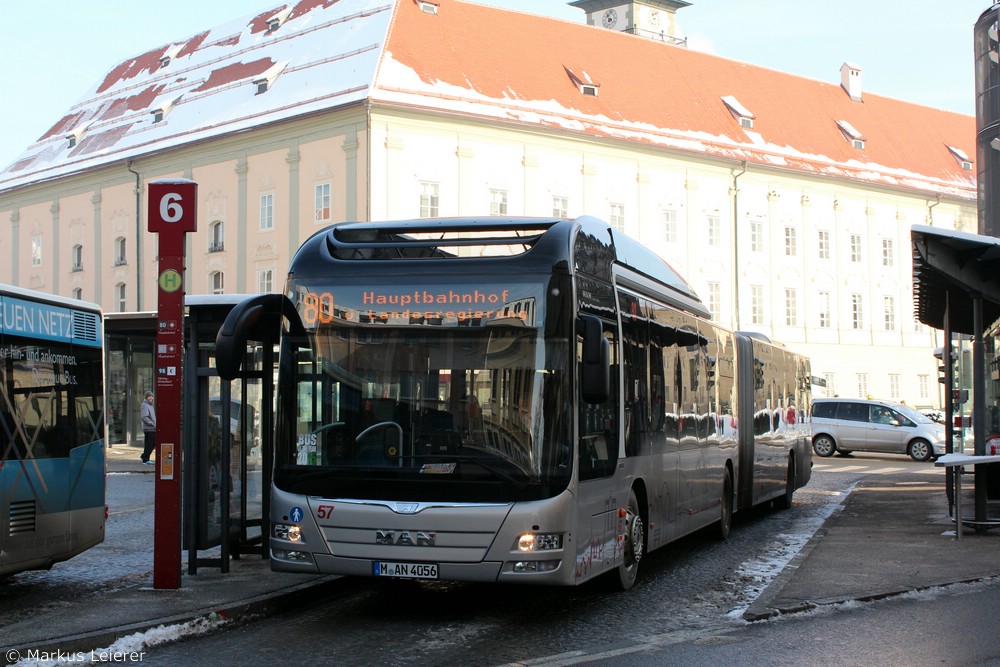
point(173, 205)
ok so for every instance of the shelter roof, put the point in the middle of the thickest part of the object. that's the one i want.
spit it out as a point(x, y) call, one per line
point(950, 270)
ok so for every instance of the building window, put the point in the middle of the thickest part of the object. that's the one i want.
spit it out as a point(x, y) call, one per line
point(120, 297)
point(857, 312)
point(791, 307)
point(823, 306)
point(617, 217)
point(823, 244)
point(77, 258)
point(265, 281)
point(856, 248)
point(560, 207)
point(888, 256)
point(923, 385)
point(36, 250)
point(791, 244)
point(715, 300)
point(862, 385)
point(217, 281)
point(889, 308)
point(429, 199)
point(713, 227)
point(217, 236)
point(894, 386)
point(756, 236)
point(831, 383)
point(120, 257)
point(321, 205)
point(670, 226)
point(78, 293)
point(498, 202)
point(267, 212)
point(757, 304)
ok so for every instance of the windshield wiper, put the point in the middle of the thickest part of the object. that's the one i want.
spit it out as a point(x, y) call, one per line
point(520, 484)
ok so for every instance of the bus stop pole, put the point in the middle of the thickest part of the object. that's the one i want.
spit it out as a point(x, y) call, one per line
point(171, 214)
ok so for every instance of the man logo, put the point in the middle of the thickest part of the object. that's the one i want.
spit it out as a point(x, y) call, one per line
point(405, 538)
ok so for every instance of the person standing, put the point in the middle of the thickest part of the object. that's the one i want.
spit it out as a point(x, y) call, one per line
point(148, 415)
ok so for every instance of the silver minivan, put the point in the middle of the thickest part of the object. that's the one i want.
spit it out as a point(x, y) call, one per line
point(846, 425)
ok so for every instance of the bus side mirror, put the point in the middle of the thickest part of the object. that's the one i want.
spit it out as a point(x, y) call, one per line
point(595, 374)
point(257, 318)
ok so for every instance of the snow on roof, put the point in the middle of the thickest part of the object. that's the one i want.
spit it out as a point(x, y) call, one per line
point(513, 67)
point(662, 95)
point(325, 51)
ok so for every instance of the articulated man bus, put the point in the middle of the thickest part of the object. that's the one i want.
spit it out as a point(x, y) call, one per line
point(518, 400)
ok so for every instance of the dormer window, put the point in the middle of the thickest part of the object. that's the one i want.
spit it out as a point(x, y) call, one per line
point(583, 82)
point(74, 137)
point(278, 19)
point(169, 54)
point(739, 112)
point(851, 134)
point(163, 105)
point(961, 157)
point(264, 82)
point(428, 7)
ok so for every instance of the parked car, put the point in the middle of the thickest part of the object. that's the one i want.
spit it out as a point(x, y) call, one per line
point(845, 425)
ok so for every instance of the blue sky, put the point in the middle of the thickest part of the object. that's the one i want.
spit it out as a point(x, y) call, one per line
point(920, 51)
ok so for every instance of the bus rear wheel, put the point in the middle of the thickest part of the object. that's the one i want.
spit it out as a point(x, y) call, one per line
point(635, 543)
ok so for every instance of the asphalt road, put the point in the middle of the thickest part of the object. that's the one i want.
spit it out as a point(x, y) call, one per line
point(686, 609)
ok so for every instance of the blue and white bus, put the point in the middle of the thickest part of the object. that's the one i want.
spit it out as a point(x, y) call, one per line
point(509, 399)
point(52, 479)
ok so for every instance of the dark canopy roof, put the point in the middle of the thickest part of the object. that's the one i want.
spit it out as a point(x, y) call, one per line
point(953, 267)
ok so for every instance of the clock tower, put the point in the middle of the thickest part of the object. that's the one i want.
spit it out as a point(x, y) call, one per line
point(653, 19)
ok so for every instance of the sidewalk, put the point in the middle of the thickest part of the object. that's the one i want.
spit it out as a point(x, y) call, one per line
point(249, 589)
point(892, 535)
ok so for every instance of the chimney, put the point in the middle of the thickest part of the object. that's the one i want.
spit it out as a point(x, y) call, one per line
point(850, 80)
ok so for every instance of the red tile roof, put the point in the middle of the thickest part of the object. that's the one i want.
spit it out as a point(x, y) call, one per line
point(508, 66)
point(655, 93)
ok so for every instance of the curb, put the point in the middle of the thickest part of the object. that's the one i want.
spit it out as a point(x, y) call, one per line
point(760, 609)
point(235, 612)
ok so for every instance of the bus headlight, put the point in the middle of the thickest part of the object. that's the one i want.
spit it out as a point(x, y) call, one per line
point(539, 542)
point(291, 533)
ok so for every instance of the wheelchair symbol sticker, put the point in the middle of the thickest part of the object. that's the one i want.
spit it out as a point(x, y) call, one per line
point(295, 515)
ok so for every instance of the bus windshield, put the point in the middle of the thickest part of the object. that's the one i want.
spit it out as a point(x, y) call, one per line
point(433, 393)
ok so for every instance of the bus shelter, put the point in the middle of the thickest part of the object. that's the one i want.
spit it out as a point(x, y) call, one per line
point(226, 481)
point(226, 462)
point(956, 288)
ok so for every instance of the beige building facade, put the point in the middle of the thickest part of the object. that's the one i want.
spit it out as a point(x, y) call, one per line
point(818, 259)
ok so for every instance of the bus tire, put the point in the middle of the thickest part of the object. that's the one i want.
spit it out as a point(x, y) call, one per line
point(635, 543)
point(725, 524)
point(784, 502)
